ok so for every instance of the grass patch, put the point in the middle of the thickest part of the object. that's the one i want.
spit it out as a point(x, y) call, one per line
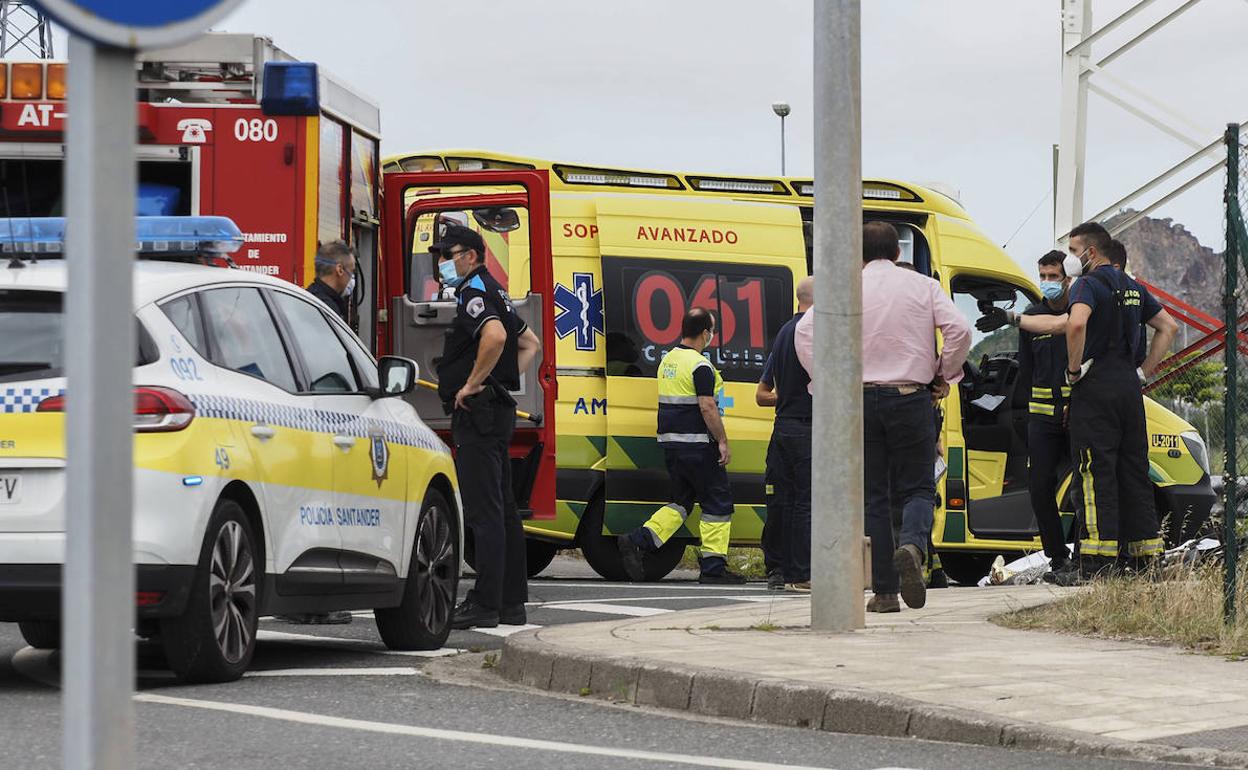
point(1185, 609)
point(745, 561)
point(766, 625)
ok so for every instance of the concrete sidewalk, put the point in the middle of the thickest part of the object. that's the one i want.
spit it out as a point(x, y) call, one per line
point(942, 673)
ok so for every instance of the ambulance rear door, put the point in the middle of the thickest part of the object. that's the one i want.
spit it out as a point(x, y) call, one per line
point(511, 211)
point(661, 257)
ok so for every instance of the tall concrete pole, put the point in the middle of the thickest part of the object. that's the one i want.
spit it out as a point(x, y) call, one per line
point(836, 495)
point(98, 602)
point(1068, 193)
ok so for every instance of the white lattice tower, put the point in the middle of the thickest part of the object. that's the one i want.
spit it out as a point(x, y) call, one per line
point(24, 29)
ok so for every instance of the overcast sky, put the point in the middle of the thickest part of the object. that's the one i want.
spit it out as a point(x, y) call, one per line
point(963, 92)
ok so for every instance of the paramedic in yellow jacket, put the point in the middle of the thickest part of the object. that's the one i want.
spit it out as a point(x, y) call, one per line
point(692, 435)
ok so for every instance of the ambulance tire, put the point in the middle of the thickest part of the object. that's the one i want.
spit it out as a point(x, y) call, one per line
point(423, 620)
point(192, 647)
point(966, 568)
point(538, 555)
point(41, 634)
point(603, 551)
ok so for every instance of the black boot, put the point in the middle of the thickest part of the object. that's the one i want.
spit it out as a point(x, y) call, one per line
point(469, 614)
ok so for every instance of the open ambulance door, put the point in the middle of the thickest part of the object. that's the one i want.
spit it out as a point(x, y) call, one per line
point(511, 211)
point(661, 258)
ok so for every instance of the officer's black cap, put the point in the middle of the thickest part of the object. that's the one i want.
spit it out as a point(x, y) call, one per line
point(458, 235)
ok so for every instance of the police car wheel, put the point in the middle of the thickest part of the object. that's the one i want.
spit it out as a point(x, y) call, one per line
point(41, 634)
point(423, 620)
point(538, 555)
point(215, 636)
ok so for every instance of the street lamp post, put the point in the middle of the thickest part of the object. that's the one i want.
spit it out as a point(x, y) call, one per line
point(781, 109)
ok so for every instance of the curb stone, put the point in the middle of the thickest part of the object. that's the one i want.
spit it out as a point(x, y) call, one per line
point(716, 692)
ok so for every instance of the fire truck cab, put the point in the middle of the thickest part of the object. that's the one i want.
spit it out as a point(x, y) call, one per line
point(228, 125)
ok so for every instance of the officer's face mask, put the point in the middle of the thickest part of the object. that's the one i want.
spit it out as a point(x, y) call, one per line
point(1052, 289)
point(446, 271)
point(349, 289)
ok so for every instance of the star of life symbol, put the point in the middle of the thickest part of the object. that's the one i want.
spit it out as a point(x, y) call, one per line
point(580, 311)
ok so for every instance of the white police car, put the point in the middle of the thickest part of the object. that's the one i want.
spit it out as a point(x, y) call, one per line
point(277, 470)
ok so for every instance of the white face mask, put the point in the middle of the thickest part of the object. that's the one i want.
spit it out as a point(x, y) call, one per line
point(1073, 266)
point(350, 287)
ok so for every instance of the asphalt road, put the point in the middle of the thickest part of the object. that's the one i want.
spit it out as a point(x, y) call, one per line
point(333, 696)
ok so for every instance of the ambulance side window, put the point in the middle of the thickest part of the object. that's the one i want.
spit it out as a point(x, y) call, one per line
point(647, 298)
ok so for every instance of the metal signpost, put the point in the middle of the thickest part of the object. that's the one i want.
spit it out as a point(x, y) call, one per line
point(836, 552)
point(98, 584)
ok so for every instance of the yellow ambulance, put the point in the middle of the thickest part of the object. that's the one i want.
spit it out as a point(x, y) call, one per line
point(629, 252)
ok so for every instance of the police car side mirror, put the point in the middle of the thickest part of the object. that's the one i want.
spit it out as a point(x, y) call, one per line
point(397, 375)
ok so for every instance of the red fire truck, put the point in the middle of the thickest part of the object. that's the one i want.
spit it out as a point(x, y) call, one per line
point(228, 125)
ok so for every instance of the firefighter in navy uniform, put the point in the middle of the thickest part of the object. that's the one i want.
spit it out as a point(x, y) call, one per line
point(487, 347)
point(691, 432)
point(1108, 433)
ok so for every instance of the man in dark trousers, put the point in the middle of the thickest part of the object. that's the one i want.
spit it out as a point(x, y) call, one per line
point(1042, 367)
point(785, 385)
point(901, 370)
point(1108, 432)
point(695, 447)
point(335, 276)
point(486, 349)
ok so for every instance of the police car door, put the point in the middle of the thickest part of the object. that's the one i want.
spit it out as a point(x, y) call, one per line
point(369, 474)
point(511, 211)
point(285, 453)
point(661, 257)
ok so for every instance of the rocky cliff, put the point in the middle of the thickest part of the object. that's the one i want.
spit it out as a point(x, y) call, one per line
point(1169, 257)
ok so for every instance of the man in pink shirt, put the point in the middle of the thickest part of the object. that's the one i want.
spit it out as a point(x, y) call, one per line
point(901, 371)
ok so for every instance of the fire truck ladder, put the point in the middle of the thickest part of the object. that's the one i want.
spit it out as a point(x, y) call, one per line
point(23, 27)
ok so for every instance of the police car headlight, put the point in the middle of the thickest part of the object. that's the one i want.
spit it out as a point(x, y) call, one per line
point(1196, 447)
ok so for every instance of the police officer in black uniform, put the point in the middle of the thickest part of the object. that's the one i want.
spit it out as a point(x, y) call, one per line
point(486, 349)
point(1108, 432)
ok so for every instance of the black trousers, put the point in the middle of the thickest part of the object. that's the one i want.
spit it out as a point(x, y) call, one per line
point(1109, 440)
point(786, 533)
point(1048, 446)
point(899, 442)
point(484, 469)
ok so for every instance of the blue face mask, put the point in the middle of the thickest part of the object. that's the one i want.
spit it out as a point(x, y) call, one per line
point(1051, 289)
point(447, 272)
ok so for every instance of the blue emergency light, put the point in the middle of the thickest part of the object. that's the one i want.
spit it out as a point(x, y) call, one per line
point(154, 236)
point(290, 88)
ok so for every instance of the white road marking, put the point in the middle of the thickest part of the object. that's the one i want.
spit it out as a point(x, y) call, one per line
point(688, 586)
point(504, 631)
point(363, 645)
point(608, 609)
point(459, 736)
point(379, 671)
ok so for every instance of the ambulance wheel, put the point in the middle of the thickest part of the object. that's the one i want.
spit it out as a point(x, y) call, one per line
point(538, 554)
point(423, 620)
point(966, 568)
point(215, 636)
point(41, 634)
point(603, 551)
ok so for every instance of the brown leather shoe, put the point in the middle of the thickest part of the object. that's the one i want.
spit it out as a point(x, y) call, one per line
point(908, 560)
point(883, 603)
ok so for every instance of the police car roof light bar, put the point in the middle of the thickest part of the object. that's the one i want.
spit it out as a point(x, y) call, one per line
point(154, 236)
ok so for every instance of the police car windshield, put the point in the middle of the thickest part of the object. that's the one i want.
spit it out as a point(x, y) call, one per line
point(31, 341)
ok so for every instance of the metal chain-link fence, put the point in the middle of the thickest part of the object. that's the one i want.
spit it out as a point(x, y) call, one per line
point(1235, 382)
